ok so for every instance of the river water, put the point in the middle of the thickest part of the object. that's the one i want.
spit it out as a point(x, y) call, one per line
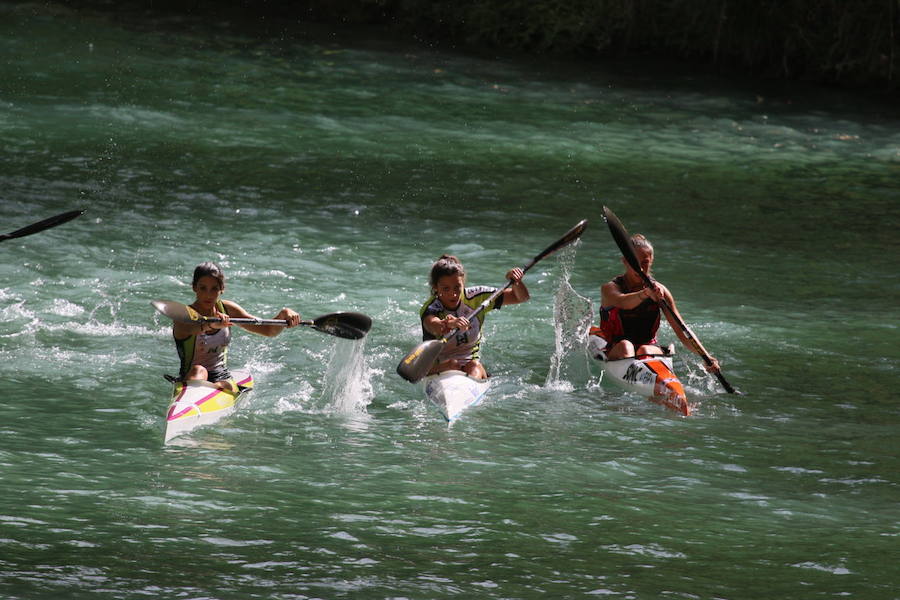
point(326, 173)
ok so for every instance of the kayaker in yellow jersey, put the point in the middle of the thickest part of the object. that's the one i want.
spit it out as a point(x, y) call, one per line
point(203, 348)
point(630, 310)
point(449, 307)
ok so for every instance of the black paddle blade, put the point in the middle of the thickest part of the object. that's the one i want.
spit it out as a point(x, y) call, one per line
point(569, 237)
point(416, 364)
point(42, 225)
point(623, 240)
point(347, 325)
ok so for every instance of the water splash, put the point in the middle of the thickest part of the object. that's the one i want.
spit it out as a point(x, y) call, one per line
point(348, 385)
point(572, 318)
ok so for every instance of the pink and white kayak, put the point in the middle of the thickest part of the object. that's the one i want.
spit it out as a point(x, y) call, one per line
point(201, 403)
point(649, 376)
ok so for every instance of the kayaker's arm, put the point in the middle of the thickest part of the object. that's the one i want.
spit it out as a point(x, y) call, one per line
point(439, 327)
point(182, 331)
point(237, 311)
point(517, 292)
point(611, 295)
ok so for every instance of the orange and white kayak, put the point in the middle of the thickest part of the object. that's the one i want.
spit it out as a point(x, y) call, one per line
point(649, 376)
point(199, 403)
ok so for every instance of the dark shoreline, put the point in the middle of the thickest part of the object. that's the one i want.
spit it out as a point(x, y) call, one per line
point(855, 45)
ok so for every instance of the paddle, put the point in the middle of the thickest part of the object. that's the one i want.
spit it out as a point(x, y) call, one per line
point(416, 364)
point(623, 240)
point(42, 225)
point(347, 325)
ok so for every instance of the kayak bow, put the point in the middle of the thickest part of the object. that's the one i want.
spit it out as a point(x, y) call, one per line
point(452, 392)
point(198, 403)
point(651, 376)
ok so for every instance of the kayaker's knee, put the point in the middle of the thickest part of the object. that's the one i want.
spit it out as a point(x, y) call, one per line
point(648, 350)
point(197, 372)
point(621, 349)
point(475, 369)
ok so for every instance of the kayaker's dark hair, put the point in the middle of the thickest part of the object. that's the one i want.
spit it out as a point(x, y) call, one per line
point(445, 265)
point(639, 241)
point(209, 269)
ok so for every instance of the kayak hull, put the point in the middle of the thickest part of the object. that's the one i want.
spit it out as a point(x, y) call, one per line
point(651, 377)
point(199, 403)
point(452, 392)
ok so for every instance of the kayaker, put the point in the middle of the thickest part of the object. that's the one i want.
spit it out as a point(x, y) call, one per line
point(450, 305)
point(203, 347)
point(630, 311)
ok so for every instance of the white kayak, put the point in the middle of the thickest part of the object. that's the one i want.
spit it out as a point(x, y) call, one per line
point(650, 376)
point(202, 403)
point(452, 392)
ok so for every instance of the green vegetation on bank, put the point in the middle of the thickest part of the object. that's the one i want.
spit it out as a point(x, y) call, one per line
point(855, 42)
point(848, 42)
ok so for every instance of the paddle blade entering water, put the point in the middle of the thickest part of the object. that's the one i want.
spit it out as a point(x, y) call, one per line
point(416, 364)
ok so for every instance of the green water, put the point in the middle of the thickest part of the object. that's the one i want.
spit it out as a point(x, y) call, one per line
point(327, 172)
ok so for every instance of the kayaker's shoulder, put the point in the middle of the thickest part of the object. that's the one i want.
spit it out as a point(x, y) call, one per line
point(233, 309)
point(478, 290)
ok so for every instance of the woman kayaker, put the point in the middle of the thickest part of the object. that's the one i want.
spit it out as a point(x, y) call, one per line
point(449, 308)
point(203, 347)
point(630, 310)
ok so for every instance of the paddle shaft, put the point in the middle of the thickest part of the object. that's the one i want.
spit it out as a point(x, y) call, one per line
point(240, 320)
point(347, 325)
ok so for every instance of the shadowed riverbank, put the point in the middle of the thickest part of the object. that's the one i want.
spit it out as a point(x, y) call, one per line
point(849, 44)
